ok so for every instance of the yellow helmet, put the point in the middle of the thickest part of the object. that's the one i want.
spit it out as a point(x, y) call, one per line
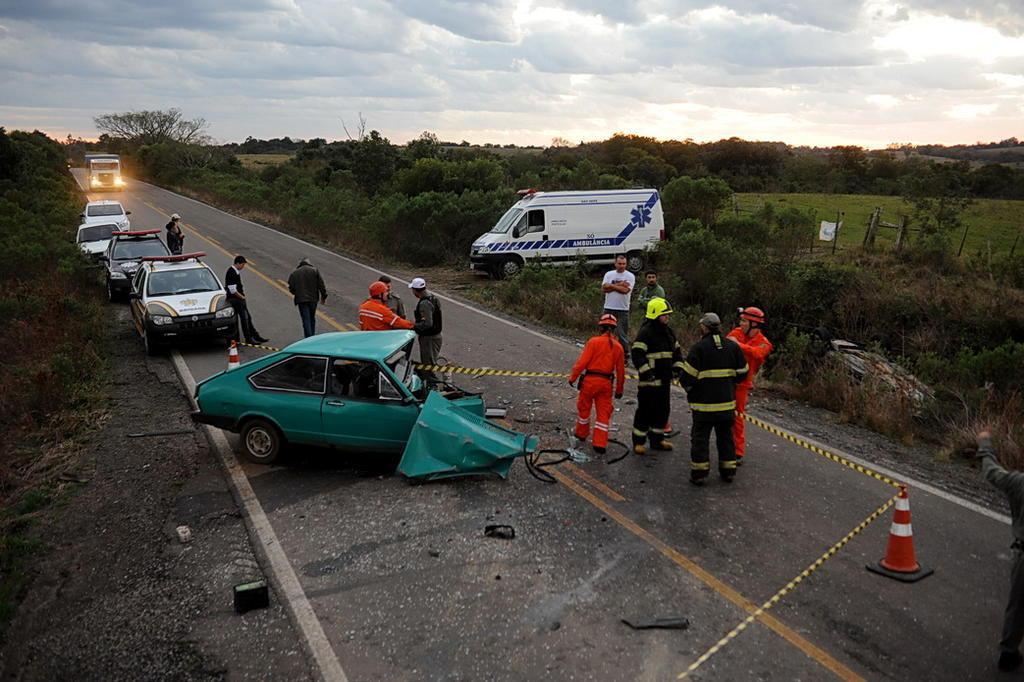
point(658, 307)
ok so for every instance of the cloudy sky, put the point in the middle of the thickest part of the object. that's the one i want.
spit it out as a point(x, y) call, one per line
point(866, 72)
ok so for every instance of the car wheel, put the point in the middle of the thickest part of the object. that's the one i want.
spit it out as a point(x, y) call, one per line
point(510, 267)
point(635, 261)
point(261, 442)
point(149, 344)
point(111, 296)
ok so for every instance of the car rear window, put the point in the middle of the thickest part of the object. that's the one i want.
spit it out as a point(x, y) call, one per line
point(95, 233)
point(302, 373)
point(139, 248)
point(104, 209)
point(173, 282)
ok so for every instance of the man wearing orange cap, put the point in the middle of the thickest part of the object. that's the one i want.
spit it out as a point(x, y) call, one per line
point(375, 315)
point(755, 347)
point(603, 366)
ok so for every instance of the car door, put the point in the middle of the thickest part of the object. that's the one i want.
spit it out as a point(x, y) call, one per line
point(290, 393)
point(364, 410)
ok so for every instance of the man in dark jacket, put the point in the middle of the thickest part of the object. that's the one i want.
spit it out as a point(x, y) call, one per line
point(236, 297)
point(657, 357)
point(308, 289)
point(1012, 485)
point(712, 369)
point(428, 325)
point(175, 237)
point(392, 301)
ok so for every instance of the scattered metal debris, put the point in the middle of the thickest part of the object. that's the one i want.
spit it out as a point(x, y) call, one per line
point(184, 534)
point(495, 412)
point(667, 623)
point(251, 595)
point(864, 363)
point(500, 530)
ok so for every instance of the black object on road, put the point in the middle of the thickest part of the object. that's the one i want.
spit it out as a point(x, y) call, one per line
point(249, 596)
point(669, 623)
point(500, 530)
point(149, 434)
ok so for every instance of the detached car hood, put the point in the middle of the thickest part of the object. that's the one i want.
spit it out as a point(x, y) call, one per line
point(453, 438)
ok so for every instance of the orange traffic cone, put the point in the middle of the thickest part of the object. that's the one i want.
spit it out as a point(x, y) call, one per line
point(900, 562)
point(233, 356)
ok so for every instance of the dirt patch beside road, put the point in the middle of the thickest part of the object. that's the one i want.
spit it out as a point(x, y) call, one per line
point(116, 595)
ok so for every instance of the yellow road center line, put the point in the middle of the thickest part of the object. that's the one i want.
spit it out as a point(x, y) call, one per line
point(283, 289)
point(594, 482)
point(722, 588)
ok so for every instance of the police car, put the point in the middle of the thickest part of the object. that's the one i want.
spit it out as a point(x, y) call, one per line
point(178, 298)
point(124, 253)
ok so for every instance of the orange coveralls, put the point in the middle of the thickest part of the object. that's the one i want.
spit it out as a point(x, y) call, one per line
point(756, 348)
point(601, 360)
point(374, 316)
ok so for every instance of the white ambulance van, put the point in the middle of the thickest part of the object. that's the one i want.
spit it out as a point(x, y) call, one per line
point(562, 227)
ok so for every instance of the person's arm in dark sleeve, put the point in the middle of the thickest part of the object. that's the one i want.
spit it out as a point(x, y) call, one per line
point(691, 368)
point(677, 361)
point(638, 353)
point(291, 283)
point(321, 286)
point(426, 310)
point(1010, 482)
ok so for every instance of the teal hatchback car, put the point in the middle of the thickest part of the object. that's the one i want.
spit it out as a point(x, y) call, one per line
point(356, 391)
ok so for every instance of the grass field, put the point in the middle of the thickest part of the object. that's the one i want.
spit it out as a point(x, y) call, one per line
point(262, 160)
point(989, 220)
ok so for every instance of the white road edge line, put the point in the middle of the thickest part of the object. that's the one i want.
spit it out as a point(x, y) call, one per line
point(919, 485)
point(318, 648)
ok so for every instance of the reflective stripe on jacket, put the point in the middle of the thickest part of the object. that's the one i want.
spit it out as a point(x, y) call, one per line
point(712, 369)
point(374, 316)
point(603, 355)
point(656, 354)
point(755, 349)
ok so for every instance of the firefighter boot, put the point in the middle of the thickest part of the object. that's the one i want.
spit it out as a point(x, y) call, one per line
point(697, 477)
point(639, 449)
point(661, 445)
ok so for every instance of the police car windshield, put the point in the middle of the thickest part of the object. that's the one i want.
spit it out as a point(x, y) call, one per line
point(95, 233)
point(173, 282)
point(105, 209)
point(139, 248)
point(507, 221)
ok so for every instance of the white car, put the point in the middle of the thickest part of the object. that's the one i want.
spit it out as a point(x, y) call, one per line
point(179, 298)
point(105, 211)
point(93, 239)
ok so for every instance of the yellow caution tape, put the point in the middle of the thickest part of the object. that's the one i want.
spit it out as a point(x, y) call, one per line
point(789, 587)
point(256, 345)
point(821, 451)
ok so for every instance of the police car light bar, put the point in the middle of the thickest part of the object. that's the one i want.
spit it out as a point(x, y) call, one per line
point(174, 259)
point(135, 233)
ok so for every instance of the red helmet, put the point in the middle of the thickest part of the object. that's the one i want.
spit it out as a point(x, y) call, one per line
point(378, 289)
point(752, 314)
point(608, 320)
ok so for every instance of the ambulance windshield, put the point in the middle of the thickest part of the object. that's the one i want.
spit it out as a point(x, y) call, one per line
point(507, 221)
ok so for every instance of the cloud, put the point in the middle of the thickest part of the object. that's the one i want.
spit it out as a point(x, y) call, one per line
point(1005, 15)
point(492, 20)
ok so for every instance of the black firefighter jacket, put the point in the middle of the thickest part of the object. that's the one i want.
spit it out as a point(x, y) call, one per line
point(712, 369)
point(656, 354)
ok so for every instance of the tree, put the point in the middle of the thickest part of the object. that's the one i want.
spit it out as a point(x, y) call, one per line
point(700, 198)
point(939, 197)
point(153, 127)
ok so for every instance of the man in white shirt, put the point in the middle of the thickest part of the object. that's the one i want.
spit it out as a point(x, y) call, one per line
point(617, 286)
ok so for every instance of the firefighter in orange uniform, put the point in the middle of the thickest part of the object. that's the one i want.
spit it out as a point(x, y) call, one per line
point(755, 347)
point(376, 316)
point(603, 366)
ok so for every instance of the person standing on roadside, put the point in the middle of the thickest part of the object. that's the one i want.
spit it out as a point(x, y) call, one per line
point(602, 366)
point(1012, 485)
point(307, 287)
point(175, 237)
point(650, 291)
point(392, 301)
point(657, 357)
point(713, 367)
point(617, 286)
point(236, 297)
point(756, 347)
point(428, 325)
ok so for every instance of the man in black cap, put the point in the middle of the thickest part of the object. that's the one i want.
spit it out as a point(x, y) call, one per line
point(236, 297)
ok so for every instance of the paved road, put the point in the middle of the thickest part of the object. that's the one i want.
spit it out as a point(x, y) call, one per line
point(406, 587)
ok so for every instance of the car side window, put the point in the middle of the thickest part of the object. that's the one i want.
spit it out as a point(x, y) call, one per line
point(355, 379)
point(535, 221)
point(138, 286)
point(301, 373)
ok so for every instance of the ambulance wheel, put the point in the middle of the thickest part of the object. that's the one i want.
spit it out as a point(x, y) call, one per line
point(510, 267)
point(261, 441)
point(635, 261)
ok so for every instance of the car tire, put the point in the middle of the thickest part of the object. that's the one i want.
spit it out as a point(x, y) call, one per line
point(635, 261)
point(111, 296)
point(510, 267)
point(261, 442)
point(152, 348)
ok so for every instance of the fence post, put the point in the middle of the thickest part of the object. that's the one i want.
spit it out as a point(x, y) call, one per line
point(835, 237)
point(1014, 247)
point(901, 232)
point(962, 241)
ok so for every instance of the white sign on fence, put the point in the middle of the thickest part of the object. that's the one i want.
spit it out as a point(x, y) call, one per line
point(828, 230)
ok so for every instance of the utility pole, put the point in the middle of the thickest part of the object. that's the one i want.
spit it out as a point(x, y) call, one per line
point(962, 240)
point(835, 236)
